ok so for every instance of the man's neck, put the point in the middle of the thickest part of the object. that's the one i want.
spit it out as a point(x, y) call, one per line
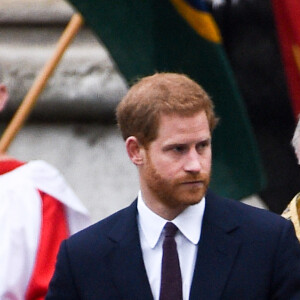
point(161, 209)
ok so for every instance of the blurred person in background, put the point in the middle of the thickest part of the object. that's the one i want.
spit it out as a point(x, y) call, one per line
point(292, 212)
point(38, 209)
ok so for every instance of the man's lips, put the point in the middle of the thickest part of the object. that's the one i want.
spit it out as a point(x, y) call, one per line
point(193, 183)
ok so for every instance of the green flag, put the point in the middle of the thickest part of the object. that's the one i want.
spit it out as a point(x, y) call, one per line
point(181, 36)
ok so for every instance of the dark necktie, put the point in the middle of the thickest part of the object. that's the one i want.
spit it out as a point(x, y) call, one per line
point(171, 283)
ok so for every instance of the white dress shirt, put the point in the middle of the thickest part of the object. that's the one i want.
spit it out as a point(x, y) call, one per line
point(151, 225)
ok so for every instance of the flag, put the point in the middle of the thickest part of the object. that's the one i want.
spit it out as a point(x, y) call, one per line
point(181, 36)
point(287, 21)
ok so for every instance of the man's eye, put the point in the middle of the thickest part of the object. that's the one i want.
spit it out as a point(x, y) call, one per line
point(179, 149)
point(203, 145)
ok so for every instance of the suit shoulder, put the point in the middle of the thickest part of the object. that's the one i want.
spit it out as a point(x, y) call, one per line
point(259, 218)
point(100, 231)
point(253, 212)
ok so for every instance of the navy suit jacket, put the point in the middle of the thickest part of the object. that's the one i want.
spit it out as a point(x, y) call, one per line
point(244, 253)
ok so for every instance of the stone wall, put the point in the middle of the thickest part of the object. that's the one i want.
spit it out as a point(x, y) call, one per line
point(66, 127)
point(85, 83)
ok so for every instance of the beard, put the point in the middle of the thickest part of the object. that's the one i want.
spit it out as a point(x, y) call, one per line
point(182, 191)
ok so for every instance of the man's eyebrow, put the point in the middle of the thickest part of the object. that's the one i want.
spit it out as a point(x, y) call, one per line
point(207, 140)
point(185, 144)
point(175, 144)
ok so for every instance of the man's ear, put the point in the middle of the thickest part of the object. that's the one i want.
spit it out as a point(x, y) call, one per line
point(3, 95)
point(135, 150)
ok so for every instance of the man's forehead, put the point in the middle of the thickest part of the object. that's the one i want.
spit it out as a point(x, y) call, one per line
point(175, 127)
point(178, 121)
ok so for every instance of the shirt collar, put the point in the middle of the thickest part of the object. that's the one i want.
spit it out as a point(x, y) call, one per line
point(189, 222)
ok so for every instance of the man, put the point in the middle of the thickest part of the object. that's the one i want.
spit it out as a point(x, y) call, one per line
point(38, 210)
point(227, 250)
point(292, 212)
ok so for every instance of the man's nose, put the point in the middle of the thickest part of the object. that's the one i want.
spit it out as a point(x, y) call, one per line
point(193, 162)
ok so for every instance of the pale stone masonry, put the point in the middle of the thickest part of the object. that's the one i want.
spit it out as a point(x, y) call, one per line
point(85, 86)
point(85, 79)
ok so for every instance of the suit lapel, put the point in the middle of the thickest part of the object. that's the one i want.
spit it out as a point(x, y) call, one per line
point(216, 252)
point(129, 273)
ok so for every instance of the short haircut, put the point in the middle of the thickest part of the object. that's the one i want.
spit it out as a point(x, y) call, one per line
point(139, 112)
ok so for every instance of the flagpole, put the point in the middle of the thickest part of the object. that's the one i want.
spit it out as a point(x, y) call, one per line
point(39, 84)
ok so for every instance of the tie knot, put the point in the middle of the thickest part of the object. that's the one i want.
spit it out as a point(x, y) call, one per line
point(170, 229)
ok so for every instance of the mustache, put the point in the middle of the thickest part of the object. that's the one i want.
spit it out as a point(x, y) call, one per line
point(193, 178)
